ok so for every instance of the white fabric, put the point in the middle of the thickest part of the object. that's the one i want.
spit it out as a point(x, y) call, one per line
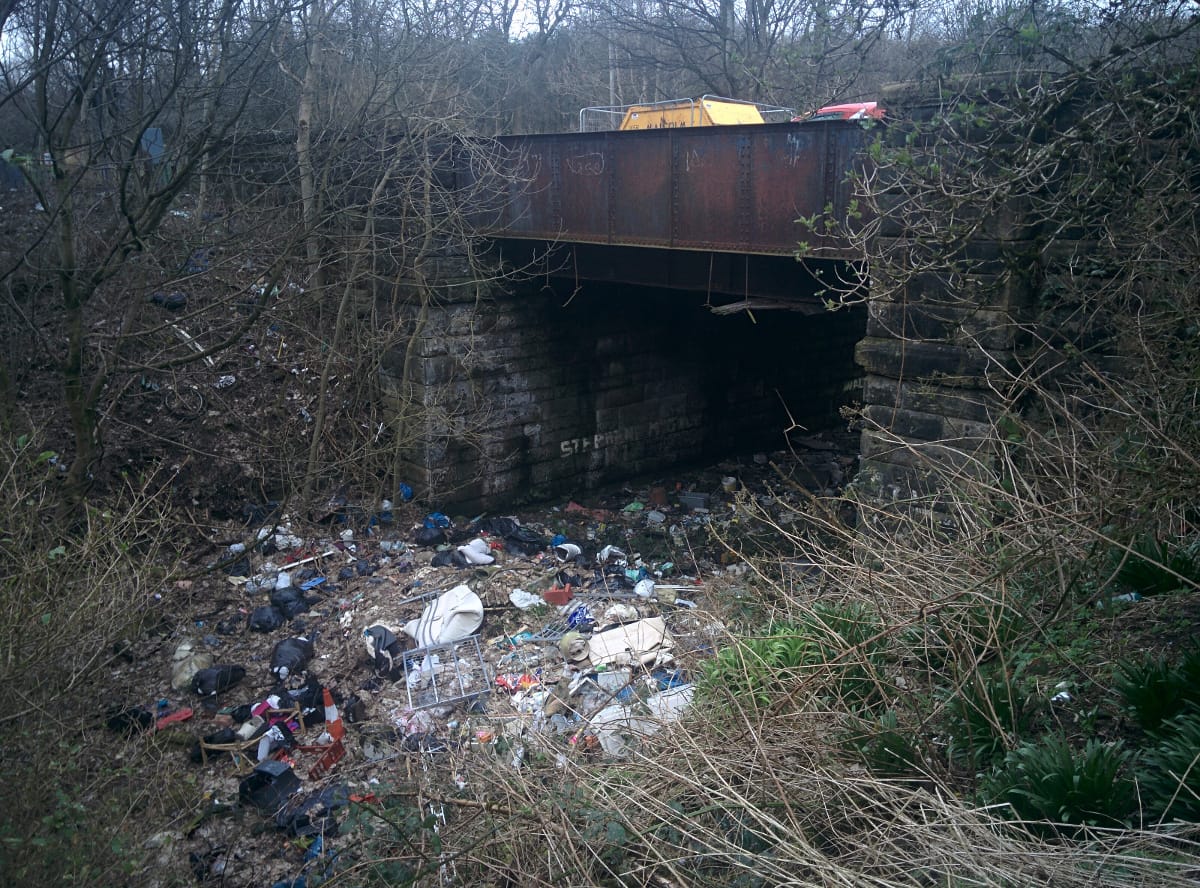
point(477, 552)
point(525, 600)
point(620, 613)
point(455, 615)
point(185, 663)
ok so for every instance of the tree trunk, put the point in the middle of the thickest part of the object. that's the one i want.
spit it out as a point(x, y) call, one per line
point(304, 161)
point(204, 195)
point(81, 413)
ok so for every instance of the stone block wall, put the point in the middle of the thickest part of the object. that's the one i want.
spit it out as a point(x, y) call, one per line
point(541, 392)
point(1032, 316)
point(941, 345)
point(937, 355)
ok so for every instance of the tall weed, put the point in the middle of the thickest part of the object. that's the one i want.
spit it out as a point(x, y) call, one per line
point(72, 599)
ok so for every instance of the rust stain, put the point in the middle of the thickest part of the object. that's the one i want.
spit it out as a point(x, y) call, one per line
point(738, 189)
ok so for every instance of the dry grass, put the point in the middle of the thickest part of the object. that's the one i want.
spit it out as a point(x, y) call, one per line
point(770, 804)
point(76, 801)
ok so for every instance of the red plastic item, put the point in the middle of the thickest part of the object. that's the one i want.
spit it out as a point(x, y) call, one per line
point(178, 715)
point(513, 682)
point(333, 754)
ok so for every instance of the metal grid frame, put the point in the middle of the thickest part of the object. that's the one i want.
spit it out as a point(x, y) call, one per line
point(447, 686)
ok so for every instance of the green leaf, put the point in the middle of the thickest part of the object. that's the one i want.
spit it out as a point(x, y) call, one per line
point(56, 552)
point(614, 833)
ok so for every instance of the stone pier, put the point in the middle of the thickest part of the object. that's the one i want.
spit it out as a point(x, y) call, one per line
point(543, 391)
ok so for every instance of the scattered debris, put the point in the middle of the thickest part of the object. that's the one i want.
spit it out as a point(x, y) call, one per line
point(576, 630)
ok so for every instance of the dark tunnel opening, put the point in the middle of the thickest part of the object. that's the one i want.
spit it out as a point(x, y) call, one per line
point(595, 383)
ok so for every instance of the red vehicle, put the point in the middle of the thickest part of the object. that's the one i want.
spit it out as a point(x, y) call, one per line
point(848, 111)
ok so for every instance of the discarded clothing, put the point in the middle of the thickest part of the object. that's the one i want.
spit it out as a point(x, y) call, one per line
point(383, 646)
point(314, 815)
point(267, 618)
point(290, 656)
point(476, 552)
point(290, 602)
point(450, 558)
point(429, 536)
point(455, 615)
point(217, 679)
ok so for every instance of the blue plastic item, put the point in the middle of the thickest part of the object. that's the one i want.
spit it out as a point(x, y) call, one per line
point(667, 680)
point(580, 618)
point(380, 518)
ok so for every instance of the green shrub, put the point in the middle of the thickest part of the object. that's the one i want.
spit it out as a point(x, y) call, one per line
point(750, 668)
point(1151, 568)
point(838, 645)
point(1171, 776)
point(1050, 783)
point(1154, 690)
point(852, 650)
point(886, 748)
point(986, 717)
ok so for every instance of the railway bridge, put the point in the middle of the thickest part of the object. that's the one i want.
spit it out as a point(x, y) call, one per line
point(672, 308)
point(712, 209)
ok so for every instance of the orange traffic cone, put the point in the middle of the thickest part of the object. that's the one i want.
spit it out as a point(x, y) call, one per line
point(333, 721)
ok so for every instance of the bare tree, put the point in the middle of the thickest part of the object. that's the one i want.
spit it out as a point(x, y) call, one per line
point(125, 102)
point(767, 50)
point(382, 120)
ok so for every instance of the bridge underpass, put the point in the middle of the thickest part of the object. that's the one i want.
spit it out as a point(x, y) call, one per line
point(667, 321)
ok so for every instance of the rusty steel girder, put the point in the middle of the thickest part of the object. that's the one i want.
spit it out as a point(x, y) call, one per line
point(727, 189)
